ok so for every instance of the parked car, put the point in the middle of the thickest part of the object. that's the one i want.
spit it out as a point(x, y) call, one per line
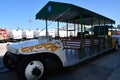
point(117, 37)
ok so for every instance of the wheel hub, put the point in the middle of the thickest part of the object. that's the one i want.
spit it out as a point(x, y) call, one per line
point(36, 71)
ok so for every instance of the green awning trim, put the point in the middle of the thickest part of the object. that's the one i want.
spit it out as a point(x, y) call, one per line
point(64, 12)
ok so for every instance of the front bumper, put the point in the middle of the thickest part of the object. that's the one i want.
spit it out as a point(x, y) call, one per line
point(10, 59)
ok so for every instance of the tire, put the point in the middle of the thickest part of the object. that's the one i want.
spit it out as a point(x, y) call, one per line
point(8, 63)
point(31, 68)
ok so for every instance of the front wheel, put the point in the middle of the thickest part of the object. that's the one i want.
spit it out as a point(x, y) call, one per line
point(31, 68)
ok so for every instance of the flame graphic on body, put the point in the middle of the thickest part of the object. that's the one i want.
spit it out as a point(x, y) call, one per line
point(48, 46)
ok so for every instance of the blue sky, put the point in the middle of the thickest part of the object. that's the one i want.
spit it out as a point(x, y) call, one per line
point(17, 13)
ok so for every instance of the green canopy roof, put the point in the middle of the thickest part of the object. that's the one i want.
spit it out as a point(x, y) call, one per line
point(64, 12)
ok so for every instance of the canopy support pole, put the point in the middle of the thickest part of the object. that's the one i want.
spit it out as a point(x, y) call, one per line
point(67, 28)
point(46, 28)
point(78, 28)
point(99, 36)
point(74, 29)
point(92, 38)
point(104, 35)
point(81, 38)
point(58, 29)
point(111, 36)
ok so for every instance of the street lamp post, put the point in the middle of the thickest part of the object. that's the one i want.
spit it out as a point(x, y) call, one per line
point(30, 22)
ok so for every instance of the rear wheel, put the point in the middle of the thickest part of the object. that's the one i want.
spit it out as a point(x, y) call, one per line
point(31, 68)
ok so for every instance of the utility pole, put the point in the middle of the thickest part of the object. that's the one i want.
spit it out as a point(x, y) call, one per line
point(30, 22)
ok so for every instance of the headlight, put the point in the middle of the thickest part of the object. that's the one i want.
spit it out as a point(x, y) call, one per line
point(12, 50)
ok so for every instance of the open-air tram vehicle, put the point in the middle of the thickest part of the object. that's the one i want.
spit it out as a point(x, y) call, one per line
point(29, 58)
